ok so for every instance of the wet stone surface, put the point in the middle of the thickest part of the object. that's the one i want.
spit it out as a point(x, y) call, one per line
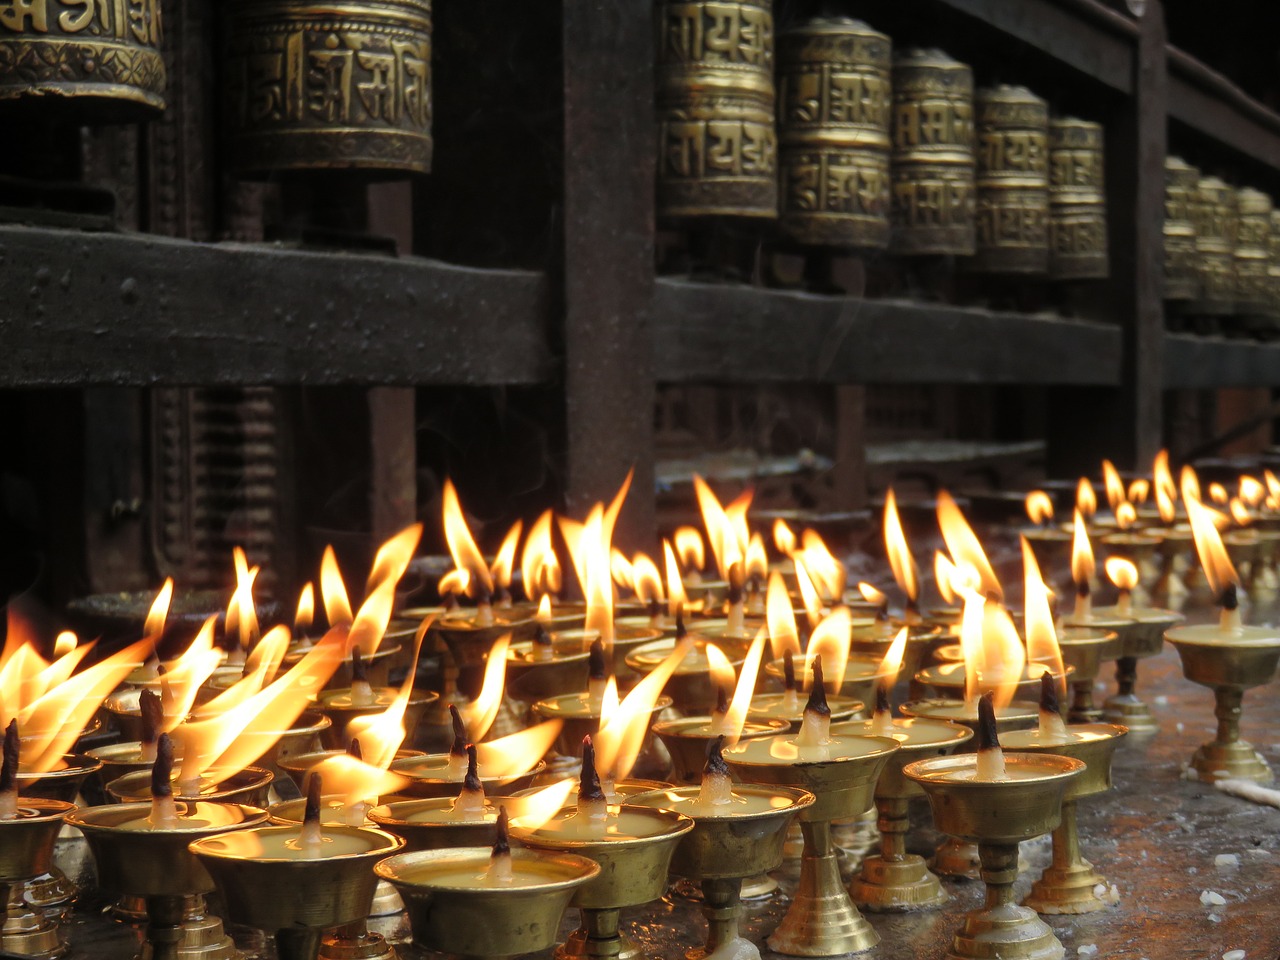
point(1156, 836)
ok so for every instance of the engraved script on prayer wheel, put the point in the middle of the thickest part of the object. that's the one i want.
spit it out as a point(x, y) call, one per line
point(1214, 211)
point(1273, 266)
point(1077, 201)
point(717, 136)
point(1253, 251)
point(931, 160)
point(833, 123)
point(1012, 133)
point(318, 86)
point(1181, 261)
point(100, 54)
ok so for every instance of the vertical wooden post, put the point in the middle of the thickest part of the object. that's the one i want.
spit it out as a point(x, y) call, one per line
point(851, 448)
point(608, 255)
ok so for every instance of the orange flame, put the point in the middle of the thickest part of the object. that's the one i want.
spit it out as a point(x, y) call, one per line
point(263, 660)
point(535, 810)
point(64, 643)
point(1121, 572)
point(1189, 484)
point(1083, 568)
point(1042, 636)
point(306, 613)
point(676, 597)
point(539, 565)
point(159, 612)
point(830, 641)
point(689, 548)
point(356, 781)
point(1039, 506)
point(620, 570)
point(1240, 512)
point(943, 573)
point(242, 615)
point(504, 563)
point(746, 687)
point(591, 553)
point(454, 583)
point(381, 734)
point(808, 593)
point(333, 592)
point(197, 663)
point(721, 670)
point(1218, 493)
point(1086, 498)
point(783, 635)
point(783, 537)
point(389, 565)
point(466, 555)
point(647, 579)
point(963, 545)
point(757, 562)
point(619, 741)
point(1166, 490)
point(891, 664)
point(544, 608)
point(1003, 656)
point(871, 594)
point(1252, 491)
point(224, 744)
point(828, 574)
point(1139, 490)
point(900, 558)
point(514, 755)
point(1126, 515)
point(1218, 569)
point(1114, 485)
point(480, 713)
point(1273, 483)
point(720, 532)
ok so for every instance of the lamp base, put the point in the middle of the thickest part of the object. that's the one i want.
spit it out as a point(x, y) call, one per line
point(822, 921)
point(896, 887)
point(50, 891)
point(386, 902)
point(1236, 760)
point(1070, 891)
point(26, 931)
point(1127, 709)
point(1006, 932)
point(202, 938)
point(575, 948)
point(957, 859)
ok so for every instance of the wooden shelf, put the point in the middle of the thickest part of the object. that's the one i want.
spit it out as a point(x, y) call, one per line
point(1211, 105)
point(1204, 363)
point(739, 334)
point(131, 310)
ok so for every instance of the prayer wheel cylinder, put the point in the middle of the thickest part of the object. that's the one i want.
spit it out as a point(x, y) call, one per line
point(1181, 259)
point(1215, 216)
point(931, 159)
point(1273, 266)
point(322, 86)
point(1253, 251)
point(1012, 133)
point(99, 61)
point(835, 100)
point(717, 132)
point(1077, 200)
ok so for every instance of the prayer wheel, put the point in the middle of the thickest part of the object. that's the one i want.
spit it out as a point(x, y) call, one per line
point(1077, 200)
point(834, 133)
point(104, 57)
point(931, 159)
point(1012, 133)
point(717, 136)
point(1181, 260)
point(1273, 267)
point(321, 86)
point(1253, 251)
point(1215, 216)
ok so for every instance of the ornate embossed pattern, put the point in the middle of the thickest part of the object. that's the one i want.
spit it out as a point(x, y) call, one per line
point(1181, 270)
point(717, 138)
point(1252, 250)
point(82, 48)
point(932, 160)
point(1012, 181)
point(1216, 220)
point(313, 86)
point(1273, 266)
point(1077, 200)
point(834, 133)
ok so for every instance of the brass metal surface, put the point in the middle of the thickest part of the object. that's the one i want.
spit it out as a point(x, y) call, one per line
point(296, 766)
point(833, 126)
point(419, 835)
point(61, 784)
point(1273, 264)
point(1141, 642)
point(717, 137)
point(1011, 130)
point(250, 786)
point(688, 746)
point(1077, 200)
point(26, 851)
point(337, 736)
point(1253, 251)
point(1217, 220)
point(1181, 271)
point(320, 86)
point(932, 161)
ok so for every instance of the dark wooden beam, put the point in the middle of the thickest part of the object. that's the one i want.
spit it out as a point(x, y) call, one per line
point(1205, 363)
point(739, 334)
point(128, 310)
point(1213, 106)
point(609, 143)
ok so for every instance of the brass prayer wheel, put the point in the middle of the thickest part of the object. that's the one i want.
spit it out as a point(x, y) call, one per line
point(1214, 211)
point(1012, 133)
point(932, 162)
point(1077, 200)
point(834, 133)
point(1253, 251)
point(103, 55)
point(717, 137)
point(324, 86)
point(1273, 265)
point(1181, 261)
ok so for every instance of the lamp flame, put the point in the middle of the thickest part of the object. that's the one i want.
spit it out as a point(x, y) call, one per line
point(1252, 491)
point(1139, 490)
point(830, 641)
point(1218, 493)
point(1039, 506)
point(1218, 569)
point(1086, 498)
point(689, 548)
point(539, 566)
point(720, 529)
point(871, 594)
point(480, 713)
point(381, 734)
point(536, 810)
point(242, 616)
point(619, 741)
point(963, 544)
point(1240, 512)
point(389, 565)
point(1042, 635)
point(647, 579)
point(903, 563)
point(1126, 515)
point(197, 663)
point(891, 664)
point(356, 781)
point(1113, 484)
point(745, 688)
point(1166, 491)
point(462, 546)
point(306, 612)
point(721, 670)
point(333, 592)
point(943, 572)
point(757, 561)
point(159, 612)
point(676, 597)
point(808, 593)
point(1121, 572)
point(828, 574)
point(515, 755)
point(781, 619)
point(1083, 567)
point(620, 570)
point(504, 563)
point(1189, 484)
point(783, 537)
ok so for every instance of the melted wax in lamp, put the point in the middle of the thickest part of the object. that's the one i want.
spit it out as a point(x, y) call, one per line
point(716, 796)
